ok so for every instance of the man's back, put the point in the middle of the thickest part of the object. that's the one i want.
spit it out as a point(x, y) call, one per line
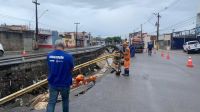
point(150, 45)
point(60, 65)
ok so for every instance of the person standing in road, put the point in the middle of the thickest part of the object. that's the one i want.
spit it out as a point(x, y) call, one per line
point(150, 47)
point(127, 59)
point(132, 50)
point(60, 67)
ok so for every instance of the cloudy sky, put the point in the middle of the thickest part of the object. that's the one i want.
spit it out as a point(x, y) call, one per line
point(103, 17)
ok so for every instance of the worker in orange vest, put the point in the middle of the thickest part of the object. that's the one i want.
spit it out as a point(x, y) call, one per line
point(127, 59)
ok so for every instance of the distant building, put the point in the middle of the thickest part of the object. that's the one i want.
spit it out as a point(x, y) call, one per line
point(47, 38)
point(178, 38)
point(69, 39)
point(148, 38)
point(83, 39)
point(164, 41)
point(14, 27)
point(97, 41)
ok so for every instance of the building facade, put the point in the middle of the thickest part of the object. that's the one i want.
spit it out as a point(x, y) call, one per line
point(16, 37)
point(83, 39)
point(69, 39)
point(178, 38)
point(164, 41)
point(149, 38)
point(47, 38)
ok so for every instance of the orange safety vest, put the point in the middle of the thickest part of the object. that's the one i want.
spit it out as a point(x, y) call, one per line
point(127, 58)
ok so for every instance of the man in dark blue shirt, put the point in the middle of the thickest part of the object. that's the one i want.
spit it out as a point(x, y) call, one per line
point(150, 47)
point(60, 67)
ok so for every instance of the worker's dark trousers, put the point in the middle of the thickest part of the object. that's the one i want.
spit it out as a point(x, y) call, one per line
point(126, 71)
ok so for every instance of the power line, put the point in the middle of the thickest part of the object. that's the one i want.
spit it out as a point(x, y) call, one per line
point(179, 24)
point(29, 20)
point(162, 10)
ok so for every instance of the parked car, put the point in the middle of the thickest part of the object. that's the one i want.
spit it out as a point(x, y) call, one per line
point(191, 46)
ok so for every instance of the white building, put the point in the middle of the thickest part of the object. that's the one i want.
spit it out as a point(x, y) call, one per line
point(149, 38)
point(165, 41)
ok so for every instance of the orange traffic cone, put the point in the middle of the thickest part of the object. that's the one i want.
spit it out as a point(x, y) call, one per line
point(23, 53)
point(168, 57)
point(189, 63)
point(162, 54)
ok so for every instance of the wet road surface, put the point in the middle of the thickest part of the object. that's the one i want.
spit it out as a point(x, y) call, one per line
point(155, 85)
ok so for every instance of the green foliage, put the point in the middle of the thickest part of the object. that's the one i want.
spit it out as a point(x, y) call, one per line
point(115, 39)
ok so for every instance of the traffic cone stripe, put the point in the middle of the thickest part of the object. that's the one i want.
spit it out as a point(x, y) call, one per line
point(189, 63)
point(168, 57)
point(162, 54)
point(24, 53)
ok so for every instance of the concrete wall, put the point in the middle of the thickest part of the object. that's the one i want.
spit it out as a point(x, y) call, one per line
point(16, 41)
point(11, 41)
point(28, 40)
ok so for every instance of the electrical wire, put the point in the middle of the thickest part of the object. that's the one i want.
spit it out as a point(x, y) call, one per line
point(161, 10)
point(28, 20)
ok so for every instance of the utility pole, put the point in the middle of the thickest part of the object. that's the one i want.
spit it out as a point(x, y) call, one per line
point(130, 39)
point(36, 23)
point(158, 26)
point(76, 32)
point(141, 32)
point(89, 39)
point(171, 39)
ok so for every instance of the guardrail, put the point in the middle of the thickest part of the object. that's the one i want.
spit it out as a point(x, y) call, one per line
point(43, 82)
point(39, 56)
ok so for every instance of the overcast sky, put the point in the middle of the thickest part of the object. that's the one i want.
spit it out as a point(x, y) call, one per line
point(102, 17)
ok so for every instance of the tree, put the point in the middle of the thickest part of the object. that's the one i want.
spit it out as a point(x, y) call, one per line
point(115, 39)
point(108, 40)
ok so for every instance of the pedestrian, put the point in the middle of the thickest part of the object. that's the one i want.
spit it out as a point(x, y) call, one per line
point(126, 59)
point(150, 47)
point(132, 50)
point(60, 67)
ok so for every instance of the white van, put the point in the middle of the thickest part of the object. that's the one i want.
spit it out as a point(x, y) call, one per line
point(1, 50)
